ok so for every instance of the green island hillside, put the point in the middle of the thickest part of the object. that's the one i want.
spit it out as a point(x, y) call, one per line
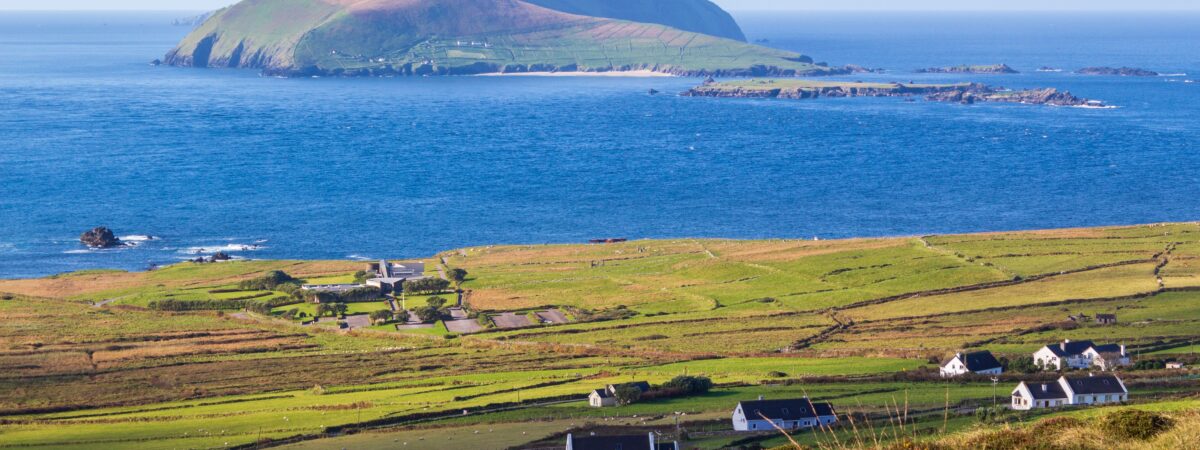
point(226, 355)
point(457, 37)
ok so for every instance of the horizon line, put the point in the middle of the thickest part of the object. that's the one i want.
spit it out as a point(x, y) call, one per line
point(731, 10)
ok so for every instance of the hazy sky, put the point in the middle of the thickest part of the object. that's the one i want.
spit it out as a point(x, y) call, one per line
point(1080, 5)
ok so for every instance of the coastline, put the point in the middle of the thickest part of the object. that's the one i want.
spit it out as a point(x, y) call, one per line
point(643, 73)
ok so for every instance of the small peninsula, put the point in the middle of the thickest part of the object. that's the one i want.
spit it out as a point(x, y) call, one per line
point(965, 93)
point(993, 69)
point(466, 37)
point(1117, 71)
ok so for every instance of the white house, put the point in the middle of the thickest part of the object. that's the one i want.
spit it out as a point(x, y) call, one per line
point(791, 414)
point(1081, 355)
point(601, 398)
point(982, 363)
point(1089, 390)
point(647, 441)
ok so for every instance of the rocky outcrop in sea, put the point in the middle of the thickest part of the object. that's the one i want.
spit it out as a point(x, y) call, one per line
point(958, 93)
point(100, 237)
point(985, 70)
point(1117, 71)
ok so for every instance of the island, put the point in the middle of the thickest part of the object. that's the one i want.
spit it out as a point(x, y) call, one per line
point(965, 93)
point(465, 37)
point(1117, 71)
point(993, 69)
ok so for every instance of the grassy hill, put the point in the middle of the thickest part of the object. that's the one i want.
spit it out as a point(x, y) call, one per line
point(855, 322)
point(439, 37)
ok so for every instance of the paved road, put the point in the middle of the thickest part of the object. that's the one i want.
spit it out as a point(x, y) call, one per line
point(552, 316)
point(510, 320)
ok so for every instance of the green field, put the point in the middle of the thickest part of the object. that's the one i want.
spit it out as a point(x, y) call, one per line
point(855, 322)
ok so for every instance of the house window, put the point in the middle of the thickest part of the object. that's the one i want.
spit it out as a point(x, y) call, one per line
point(754, 426)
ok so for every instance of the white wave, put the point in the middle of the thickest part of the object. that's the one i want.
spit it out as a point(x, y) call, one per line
point(1172, 74)
point(210, 249)
point(138, 238)
point(77, 252)
point(359, 258)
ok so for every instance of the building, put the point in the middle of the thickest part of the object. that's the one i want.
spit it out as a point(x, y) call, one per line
point(647, 441)
point(1090, 390)
point(1080, 355)
point(1106, 319)
point(601, 398)
point(1176, 365)
point(791, 414)
point(390, 276)
point(981, 363)
point(607, 396)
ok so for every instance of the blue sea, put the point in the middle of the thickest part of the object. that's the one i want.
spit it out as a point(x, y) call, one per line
point(208, 160)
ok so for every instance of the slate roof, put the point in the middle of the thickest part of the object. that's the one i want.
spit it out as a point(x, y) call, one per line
point(1072, 348)
point(641, 385)
point(1046, 391)
point(977, 361)
point(791, 409)
point(1098, 384)
point(603, 393)
point(633, 442)
point(1110, 348)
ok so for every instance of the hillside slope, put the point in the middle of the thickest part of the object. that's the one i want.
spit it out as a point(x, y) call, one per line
point(438, 37)
point(700, 16)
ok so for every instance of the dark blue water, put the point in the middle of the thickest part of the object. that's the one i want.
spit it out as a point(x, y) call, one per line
point(91, 135)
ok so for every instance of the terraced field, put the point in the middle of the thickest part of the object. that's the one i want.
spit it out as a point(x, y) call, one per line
point(856, 322)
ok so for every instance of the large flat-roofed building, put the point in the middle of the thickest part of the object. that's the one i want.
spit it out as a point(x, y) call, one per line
point(390, 276)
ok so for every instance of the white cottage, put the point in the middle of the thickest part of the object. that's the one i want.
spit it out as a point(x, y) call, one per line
point(1089, 390)
point(788, 414)
point(981, 363)
point(1081, 355)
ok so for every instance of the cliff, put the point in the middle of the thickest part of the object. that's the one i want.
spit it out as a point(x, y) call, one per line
point(449, 37)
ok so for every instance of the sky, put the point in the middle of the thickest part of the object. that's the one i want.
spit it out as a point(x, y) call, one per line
point(732, 5)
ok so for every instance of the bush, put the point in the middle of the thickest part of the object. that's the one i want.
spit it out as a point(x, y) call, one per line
point(1135, 424)
point(426, 286)
point(627, 394)
point(689, 385)
point(777, 374)
point(429, 314)
point(268, 282)
point(197, 305)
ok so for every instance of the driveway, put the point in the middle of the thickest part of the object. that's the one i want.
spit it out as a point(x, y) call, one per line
point(464, 326)
point(552, 316)
point(510, 320)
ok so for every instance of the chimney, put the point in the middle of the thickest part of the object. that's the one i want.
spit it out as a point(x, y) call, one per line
point(1064, 343)
point(1122, 349)
point(1045, 387)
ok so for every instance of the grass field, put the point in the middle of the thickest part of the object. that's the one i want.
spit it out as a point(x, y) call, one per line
point(855, 322)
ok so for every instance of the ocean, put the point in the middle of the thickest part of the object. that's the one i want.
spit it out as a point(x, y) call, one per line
point(209, 160)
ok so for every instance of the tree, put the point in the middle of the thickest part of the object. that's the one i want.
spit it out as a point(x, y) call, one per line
point(426, 285)
point(290, 314)
point(436, 302)
point(340, 309)
point(627, 394)
point(458, 276)
point(1022, 364)
point(428, 314)
point(689, 385)
point(360, 277)
point(402, 316)
point(381, 316)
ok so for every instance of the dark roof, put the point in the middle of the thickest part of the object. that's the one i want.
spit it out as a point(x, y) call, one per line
point(791, 409)
point(641, 385)
point(1106, 317)
point(603, 393)
point(977, 361)
point(1110, 348)
point(1072, 348)
point(1097, 384)
point(1046, 391)
point(634, 442)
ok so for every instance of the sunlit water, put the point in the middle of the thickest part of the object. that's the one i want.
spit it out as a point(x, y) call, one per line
point(90, 134)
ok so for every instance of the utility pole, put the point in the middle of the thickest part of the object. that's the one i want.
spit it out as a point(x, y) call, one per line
point(995, 380)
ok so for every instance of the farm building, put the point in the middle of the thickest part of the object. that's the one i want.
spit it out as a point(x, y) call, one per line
point(1081, 355)
point(647, 441)
point(790, 414)
point(1106, 319)
point(1176, 365)
point(1089, 390)
point(982, 363)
